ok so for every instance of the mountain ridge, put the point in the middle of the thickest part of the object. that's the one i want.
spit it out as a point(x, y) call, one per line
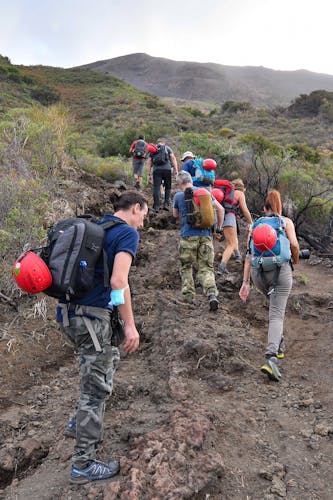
point(212, 82)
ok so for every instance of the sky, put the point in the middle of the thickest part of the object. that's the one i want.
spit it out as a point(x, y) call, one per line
point(277, 34)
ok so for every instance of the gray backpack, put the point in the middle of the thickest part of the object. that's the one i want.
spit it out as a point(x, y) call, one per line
point(73, 249)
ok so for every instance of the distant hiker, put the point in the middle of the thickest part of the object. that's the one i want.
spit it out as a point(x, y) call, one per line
point(195, 245)
point(232, 199)
point(187, 160)
point(86, 323)
point(139, 151)
point(273, 247)
point(201, 170)
point(160, 167)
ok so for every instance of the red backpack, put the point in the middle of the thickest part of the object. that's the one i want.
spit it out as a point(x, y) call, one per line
point(229, 202)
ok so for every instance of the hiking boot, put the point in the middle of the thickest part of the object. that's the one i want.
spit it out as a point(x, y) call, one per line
point(222, 269)
point(271, 369)
point(237, 257)
point(213, 302)
point(94, 471)
point(282, 349)
point(70, 430)
point(137, 185)
point(186, 301)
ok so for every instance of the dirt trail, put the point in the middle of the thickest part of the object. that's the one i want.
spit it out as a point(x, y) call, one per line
point(191, 415)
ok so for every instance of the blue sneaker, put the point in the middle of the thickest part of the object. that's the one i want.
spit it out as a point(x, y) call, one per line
point(70, 430)
point(94, 472)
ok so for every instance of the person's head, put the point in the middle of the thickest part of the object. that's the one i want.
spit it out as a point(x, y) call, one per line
point(239, 185)
point(132, 206)
point(142, 137)
point(273, 202)
point(184, 179)
point(161, 140)
point(188, 155)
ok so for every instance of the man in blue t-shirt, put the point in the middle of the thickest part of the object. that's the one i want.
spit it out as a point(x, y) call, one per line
point(86, 322)
point(195, 247)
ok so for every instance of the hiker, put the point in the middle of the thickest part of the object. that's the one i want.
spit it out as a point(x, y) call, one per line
point(99, 362)
point(201, 170)
point(275, 281)
point(160, 167)
point(232, 201)
point(188, 165)
point(195, 247)
point(139, 150)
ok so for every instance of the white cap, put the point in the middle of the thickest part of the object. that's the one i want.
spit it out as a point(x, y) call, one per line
point(187, 154)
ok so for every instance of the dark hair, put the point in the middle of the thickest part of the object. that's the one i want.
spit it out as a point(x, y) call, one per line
point(130, 198)
point(273, 202)
point(141, 136)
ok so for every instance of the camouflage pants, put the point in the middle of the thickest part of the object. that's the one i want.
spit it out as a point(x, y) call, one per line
point(197, 250)
point(96, 382)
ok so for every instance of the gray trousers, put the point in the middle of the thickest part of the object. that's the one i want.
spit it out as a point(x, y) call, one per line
point(277, 302)
point(96, 382)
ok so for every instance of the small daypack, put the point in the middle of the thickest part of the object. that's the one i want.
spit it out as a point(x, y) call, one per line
point(73, 249)
point(206, 177)
point(229, 202)
point(161, 157)
point(199, 208)
point(279, 254)
point(139, 150)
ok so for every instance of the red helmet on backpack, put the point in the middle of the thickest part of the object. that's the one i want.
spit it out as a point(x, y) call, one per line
point(152, 148)
point(31, 273)
point(209, 164)
point(218, 194)
point(199, 192)
point(264, 237)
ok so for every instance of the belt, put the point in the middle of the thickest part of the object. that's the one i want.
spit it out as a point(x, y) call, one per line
point(88, 313)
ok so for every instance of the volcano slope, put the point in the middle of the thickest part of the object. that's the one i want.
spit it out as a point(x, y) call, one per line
point(191, 415)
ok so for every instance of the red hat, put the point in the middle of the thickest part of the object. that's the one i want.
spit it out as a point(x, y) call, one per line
point(31, 273)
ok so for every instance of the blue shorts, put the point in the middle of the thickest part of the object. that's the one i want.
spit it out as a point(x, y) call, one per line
point(138, 166)
point(229, 220)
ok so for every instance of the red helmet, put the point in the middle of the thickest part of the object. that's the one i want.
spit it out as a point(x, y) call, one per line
point(152, 148)
point(264, 237)
point(31, 273)
point(218, 194)
point(199, 192)
point(209, 164)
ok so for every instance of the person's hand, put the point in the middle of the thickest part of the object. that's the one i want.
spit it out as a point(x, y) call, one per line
point(132, 338)
point(150, 179)
point(244, 291)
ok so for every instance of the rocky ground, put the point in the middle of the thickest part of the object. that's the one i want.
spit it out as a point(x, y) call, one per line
point(191, 415)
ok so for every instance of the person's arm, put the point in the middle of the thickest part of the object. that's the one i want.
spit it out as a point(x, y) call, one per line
point(175, 213)
point(243, 206)
point(119, 281)
point(291, 235)
point(245, 288)
point(132, 147)
point(174, 163)
point(219, 213)
point(149, 167)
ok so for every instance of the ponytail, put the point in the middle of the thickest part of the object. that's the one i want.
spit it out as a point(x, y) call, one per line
point(273, 202)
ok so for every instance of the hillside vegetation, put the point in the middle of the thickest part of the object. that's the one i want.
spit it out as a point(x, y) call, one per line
point(54, 120)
